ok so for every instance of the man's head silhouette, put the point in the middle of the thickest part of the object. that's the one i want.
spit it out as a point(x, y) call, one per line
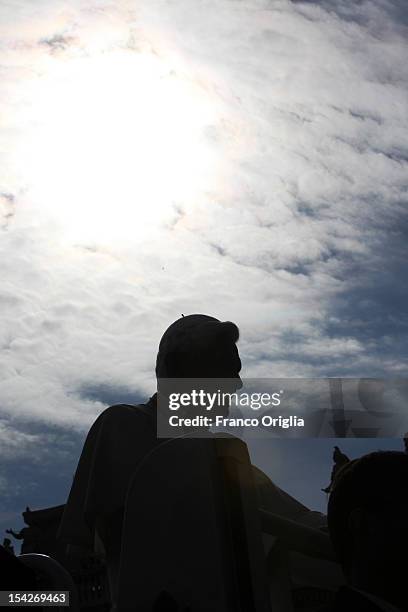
point(199, 352)
point(367, 519)
point(199, 346)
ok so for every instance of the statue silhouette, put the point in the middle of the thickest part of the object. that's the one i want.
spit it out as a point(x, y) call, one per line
point(30, 535)
point(340, 459)
point(7, 545)
point(194, 346)
point(20, 535)
point(367, 520)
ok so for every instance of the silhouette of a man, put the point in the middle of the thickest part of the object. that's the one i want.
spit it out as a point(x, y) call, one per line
point(367, 520)
point(195, 346)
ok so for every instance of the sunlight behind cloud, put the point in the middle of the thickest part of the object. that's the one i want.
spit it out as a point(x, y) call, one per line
point(242, 159)
point(116, 142)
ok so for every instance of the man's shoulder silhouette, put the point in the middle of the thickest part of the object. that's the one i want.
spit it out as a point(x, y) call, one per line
point(118, 440)
point(121, 410)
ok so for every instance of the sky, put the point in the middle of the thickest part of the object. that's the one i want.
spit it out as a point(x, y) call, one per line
point(245, 159)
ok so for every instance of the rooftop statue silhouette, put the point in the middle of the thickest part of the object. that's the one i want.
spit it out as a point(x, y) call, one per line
point(367, 520)
point(18, 535)
point(29, 536)
point(340, 459)
point(7, 545)
point(194, 346)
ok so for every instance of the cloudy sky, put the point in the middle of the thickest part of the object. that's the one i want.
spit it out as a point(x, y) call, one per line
point(245, 159)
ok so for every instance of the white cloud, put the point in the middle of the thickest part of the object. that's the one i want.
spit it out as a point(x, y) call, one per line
point(15, 444)
point(308, 147)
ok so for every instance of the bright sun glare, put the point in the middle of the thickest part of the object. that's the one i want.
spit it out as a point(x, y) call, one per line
point(114, 143)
